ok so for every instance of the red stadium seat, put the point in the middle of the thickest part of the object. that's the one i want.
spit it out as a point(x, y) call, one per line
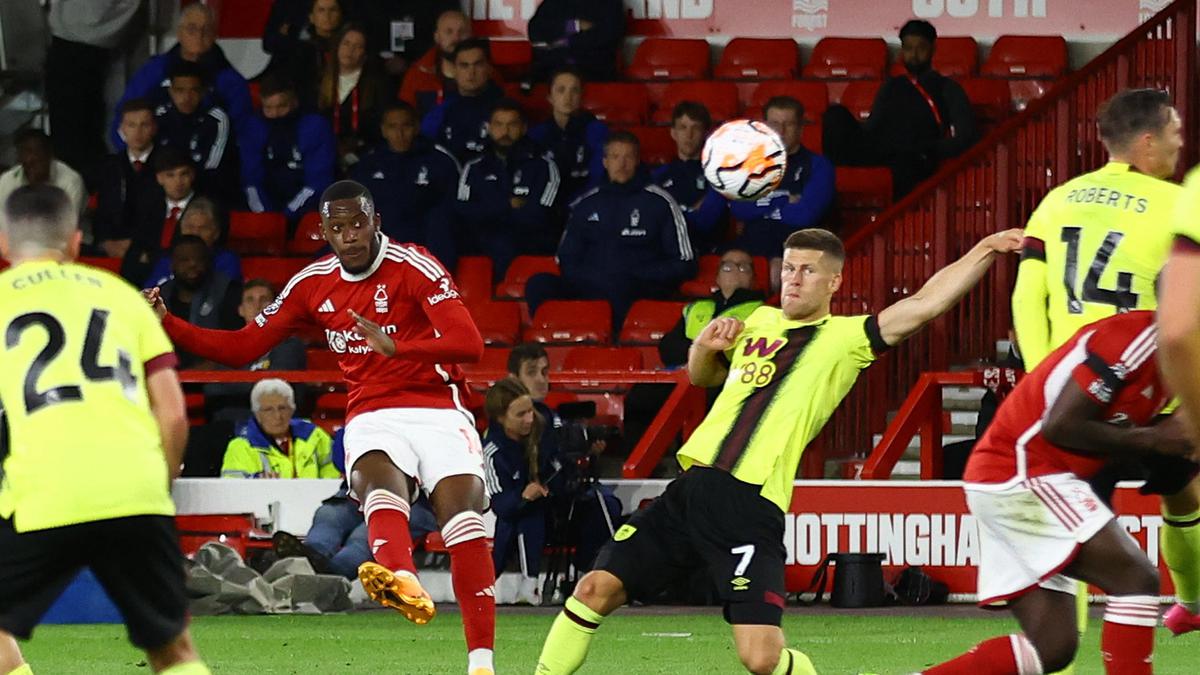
point(759, 59)
point(863, 187)
point(1027, 56)
point(649, 320)
point(474, 278)
point(859, 96)
point(257, 233)
point(705, 281)
point(571, 321)
point(242, 18)
point(855, 58)
point(307, 239)
point(618, 102)
point(499, 322)
point(111, 264)
point(511, 57)
point(814, 96)
point(519, 271)
point(494, 359)
point(278, 271)
point(954, 57)
point(669, 59)
point(656, 144)
point(603, 358)
point(719, 97)
point(534, 102)
point(255, 88)
point(320, 358)
point(990, 99)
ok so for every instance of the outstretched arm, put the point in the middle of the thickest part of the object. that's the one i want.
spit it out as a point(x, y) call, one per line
point(233, 348)
point(945, 288)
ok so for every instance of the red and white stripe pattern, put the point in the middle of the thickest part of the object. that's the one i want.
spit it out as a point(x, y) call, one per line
point(1058, 505)
point(1132, 610)
point(1142, 348)
point(1028, 662)
point(426, 265)
point(378, 500)
point(462, 528)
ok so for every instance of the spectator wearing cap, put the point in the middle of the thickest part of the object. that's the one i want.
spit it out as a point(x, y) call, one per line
point(414, 182)
point(572, 137)
point(802, 199)
point(586, 34)
point(352, 94)
point(158, 212)
point(918, 120)
point(460, 122)
point(506, 195)
point(425, 80)
point(683, 177)
point(625, 239)
point(36, 165)
point(191, 122)
point(125, 178)
point(289, 154)
point(196, 34)
point(202, 218)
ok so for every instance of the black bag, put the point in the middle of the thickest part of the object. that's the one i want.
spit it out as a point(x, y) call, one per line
point(915, 587)
point(857, 582)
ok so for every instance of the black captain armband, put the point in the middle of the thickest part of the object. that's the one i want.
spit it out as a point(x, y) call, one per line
point(1185, 244)
point(1033, 248)
point(874, 335)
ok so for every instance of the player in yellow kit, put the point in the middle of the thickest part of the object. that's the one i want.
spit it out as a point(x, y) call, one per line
point(785, 370)
point(97, 427)
point(1095, 246)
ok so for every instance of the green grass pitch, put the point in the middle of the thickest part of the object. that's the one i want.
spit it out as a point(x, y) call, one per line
point(632, 642)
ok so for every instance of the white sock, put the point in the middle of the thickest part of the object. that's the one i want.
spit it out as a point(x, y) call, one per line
point(479, 658)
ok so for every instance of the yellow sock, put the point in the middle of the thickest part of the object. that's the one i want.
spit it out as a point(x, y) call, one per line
point(189, 668)
point(567, 643)
point(22, 669)
point(793, 662)
point(1180, 545)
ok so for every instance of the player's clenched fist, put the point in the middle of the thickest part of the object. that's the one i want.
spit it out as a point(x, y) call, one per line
point(378, 340)
point(1008, 241)
point(720, 334)
point(154, 297)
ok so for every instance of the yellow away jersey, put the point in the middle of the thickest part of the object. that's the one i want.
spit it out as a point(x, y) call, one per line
point(1094, 247)
point(785, 379)
point(84, 443)
point(1185, 222)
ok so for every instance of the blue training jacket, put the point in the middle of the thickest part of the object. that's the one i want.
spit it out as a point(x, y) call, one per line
point(288, 162)
point(809, 176)
point(414, 191)
point(489, 183)
point(702, 206)
point(459, 123)
point(577, 150)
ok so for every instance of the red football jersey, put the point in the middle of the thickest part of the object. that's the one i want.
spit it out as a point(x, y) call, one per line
point(405, 290)
point(1113, 361)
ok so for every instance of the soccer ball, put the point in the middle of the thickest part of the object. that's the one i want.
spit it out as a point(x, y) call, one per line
point(744, 159)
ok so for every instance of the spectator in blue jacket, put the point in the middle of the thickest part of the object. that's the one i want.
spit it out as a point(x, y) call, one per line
point(683, 178)
point(625, 240)
point(289, 154)
point(520, 478)
point(573, 137)
point(460, 122)
point(197, 34)
point(506, 195)
point(802, 200)
point(192, 123)
point(414, 182)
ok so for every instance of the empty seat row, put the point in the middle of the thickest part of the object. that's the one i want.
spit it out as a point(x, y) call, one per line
point(575, 322)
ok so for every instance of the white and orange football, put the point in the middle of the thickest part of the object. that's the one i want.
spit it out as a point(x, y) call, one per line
point(744, 159)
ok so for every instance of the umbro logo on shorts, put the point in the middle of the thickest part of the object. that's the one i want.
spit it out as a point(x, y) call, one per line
point(326, 307)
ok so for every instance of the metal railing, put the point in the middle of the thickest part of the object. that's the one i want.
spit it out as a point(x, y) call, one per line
point(993, 186)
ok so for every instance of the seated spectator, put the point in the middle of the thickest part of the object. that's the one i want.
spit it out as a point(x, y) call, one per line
point(572, 137)
point(506, 195)
point(196, 34)
point(519, 480)
point(227, 401)
point(401, 31)
point(586, 34)
point(352, 95)
point(460, 122)
point(198, 293)
point(300, 51)
point(157, 213)
point(426, 79)
point(802, 200)
point(683, 178)
point(625, 240)
point(204, 219)
point(414, 182)
point(918, 120)
point(289, 154)
point(273, 444)
point(735, 296)
point(36, 165)
point(125, 178)
point(193, 124)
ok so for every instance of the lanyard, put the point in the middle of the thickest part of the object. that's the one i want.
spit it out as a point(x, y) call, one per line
point(337, 111)
point(937, 115)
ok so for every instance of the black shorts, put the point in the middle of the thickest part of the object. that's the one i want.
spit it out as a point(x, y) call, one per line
point(136, 559)
point(706, 518)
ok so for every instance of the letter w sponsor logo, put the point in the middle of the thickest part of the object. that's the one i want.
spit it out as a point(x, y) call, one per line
point(760, 345)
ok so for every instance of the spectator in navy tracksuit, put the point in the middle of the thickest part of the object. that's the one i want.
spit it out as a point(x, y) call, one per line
point(197, 33)
point(506, 195)
point(459, 123)
point(202, 130)
point(573, 137)
point(625, 240)
point(684, 180)
point(414, 183)
point(289, 154)
point(801, 200)
point(520, 470)
point(583, 33)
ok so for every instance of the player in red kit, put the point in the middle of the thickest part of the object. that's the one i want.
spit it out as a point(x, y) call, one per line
point(1039, 520)
point(393, 316)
